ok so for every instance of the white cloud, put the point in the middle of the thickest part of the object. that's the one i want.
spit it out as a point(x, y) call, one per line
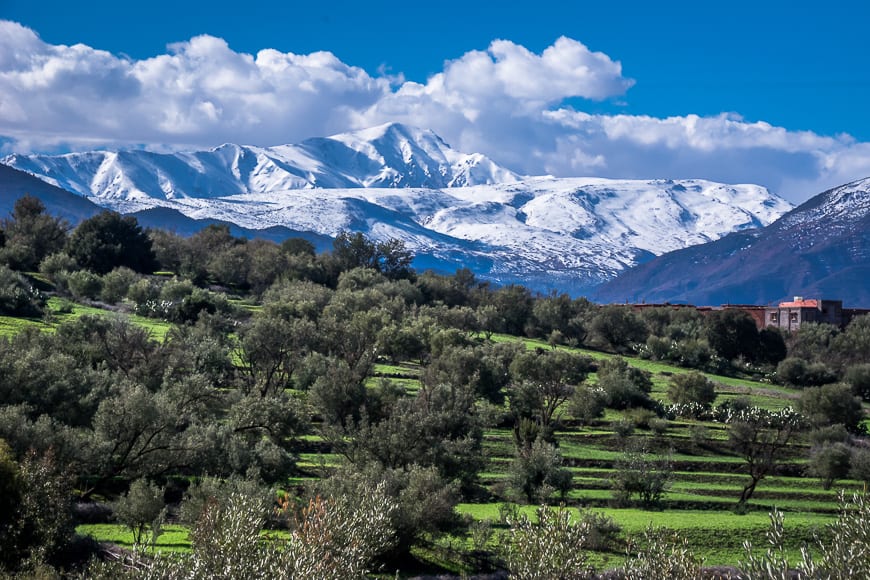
point(201, 93)
point(506, 102)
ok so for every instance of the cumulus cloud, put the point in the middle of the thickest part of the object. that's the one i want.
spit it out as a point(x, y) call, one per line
point(506, 102)
point(200, 93)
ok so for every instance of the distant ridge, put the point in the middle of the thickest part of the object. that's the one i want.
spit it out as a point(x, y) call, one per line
point(819, 249)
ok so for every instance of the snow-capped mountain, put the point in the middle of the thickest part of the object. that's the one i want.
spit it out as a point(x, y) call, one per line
point(819, 249)
point(452, 209)
point(390, 155)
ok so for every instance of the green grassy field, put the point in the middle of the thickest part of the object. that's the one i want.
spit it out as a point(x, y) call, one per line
point(59, 311)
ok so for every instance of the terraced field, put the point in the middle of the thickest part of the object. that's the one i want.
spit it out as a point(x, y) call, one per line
point(699, 501)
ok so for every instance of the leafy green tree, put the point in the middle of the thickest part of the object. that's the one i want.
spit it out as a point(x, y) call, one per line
point(425, 502)
point(761, 438)
point(587, 404)
point(859, 465)
point(547, 380)
point(339, 395)
point(270, 350)
point(109, 240)
point(143, 511)
point(298, 246)
point(354, 250)
point(625, 386)
point(771, 345)
point(38, 523)
point(116, 284)
point(858, 376)
point(617, 328)
point(439, 428)
point(31, 235)
point(693, 387)
point(637, 473)
point(394, 259)
point(830, 462)
point(853, 344)
point(261, 432)
point(732, 333)
point(831, 404)
point(536, 472)
point(513, 309)
point(84, 284)
point(812, 341)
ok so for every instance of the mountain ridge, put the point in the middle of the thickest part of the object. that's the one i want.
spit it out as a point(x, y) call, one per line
point(820, 248)
point(404, 182)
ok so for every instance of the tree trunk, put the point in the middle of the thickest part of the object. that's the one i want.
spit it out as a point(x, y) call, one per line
point(747, 492)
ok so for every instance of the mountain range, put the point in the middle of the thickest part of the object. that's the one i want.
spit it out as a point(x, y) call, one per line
point(452, 209)
point(819, 249)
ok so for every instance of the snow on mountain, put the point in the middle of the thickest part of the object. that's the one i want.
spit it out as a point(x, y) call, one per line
point(819, 249)
point(449, 207)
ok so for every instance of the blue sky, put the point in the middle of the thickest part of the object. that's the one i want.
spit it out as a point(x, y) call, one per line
point(768, 92)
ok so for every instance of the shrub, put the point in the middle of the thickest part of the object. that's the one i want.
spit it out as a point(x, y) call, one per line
point(663, 554)
point(587, 404)
point(625, 385)
point(116, 284)
point(691, 387)
point(17, 296)
point(640, 474)
point(640, 417)
point(536, 472)
point(860, 465)
point(553, 547)
point(84, 284)
point(832, 404)
point(829, 462)
point(142, 510)
point(858, 377)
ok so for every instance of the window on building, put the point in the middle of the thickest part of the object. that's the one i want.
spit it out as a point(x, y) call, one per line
point(792, 316)
point(774, 317)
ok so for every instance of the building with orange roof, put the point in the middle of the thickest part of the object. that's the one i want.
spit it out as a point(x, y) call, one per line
point(792, 314)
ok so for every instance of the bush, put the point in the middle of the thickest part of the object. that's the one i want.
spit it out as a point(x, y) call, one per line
point(84, 284)
point(860, 464)
point(799, 373)
point(829, 462)
point(832, 404)
point(142, 510)
point(536, 472)
point(143, 290)
point(54, 265)
point(638, 474)
point(116, 284)
point(641, 418)
point(625, 385)
point(587, 404)
point(664, 554)
point(553, 547)
point(844, 553)
point(691, 388)
point(17, 296)
point(858, 377)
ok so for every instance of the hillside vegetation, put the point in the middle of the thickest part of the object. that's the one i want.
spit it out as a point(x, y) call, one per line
point(217, 407)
